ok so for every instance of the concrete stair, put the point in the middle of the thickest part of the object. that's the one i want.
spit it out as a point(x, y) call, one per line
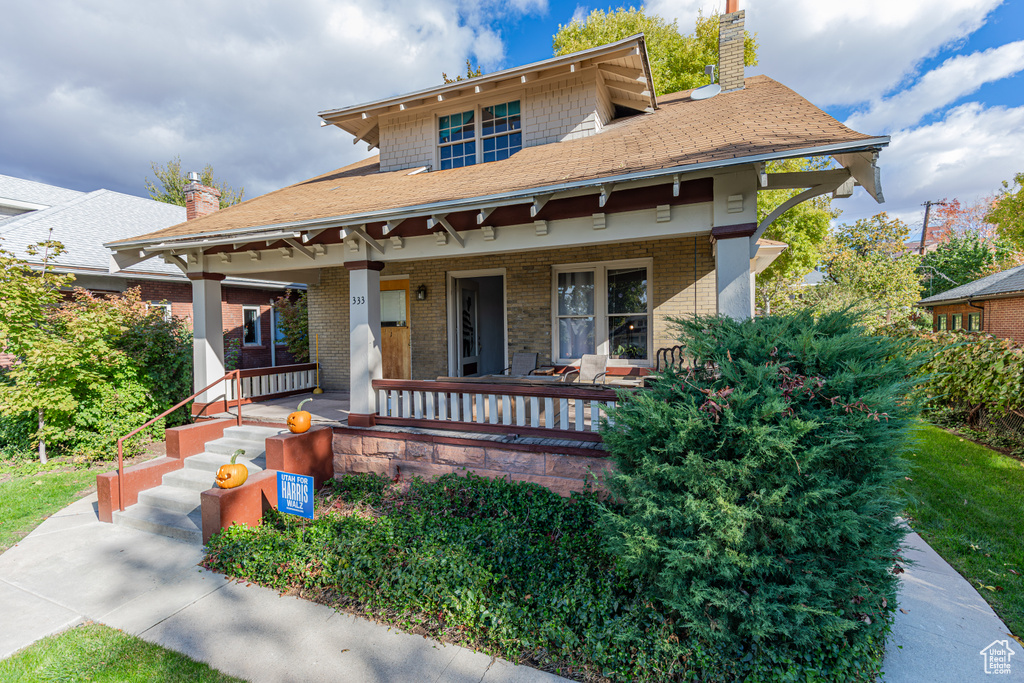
point(173, 508)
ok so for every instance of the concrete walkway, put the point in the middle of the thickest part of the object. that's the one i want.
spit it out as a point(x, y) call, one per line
point(72, 568)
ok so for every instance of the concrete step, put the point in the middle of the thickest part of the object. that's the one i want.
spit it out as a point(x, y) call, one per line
point(227, 446)
point(184, 527)
point(171, 498)
point(191, 479)
point(253, 433)
point(211, 462)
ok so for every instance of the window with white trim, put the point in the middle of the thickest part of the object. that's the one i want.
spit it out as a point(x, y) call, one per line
point(602, 308)
point(163, 307)
point(460, 142)
point(250, 325)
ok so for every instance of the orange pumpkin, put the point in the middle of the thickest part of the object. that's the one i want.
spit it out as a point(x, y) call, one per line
point(299, 421)
point(232, 475)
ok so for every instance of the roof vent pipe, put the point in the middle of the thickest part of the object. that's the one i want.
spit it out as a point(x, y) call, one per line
point(193, 177)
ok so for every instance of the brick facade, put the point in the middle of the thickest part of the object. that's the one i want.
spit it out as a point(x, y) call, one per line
point(682, 283)
point(179, 296)
point(1003, 318)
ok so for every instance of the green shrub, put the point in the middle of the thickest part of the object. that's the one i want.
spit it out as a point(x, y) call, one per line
point(972, 370)
point(758, 496)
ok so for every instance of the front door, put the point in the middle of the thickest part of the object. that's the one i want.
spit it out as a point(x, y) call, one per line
point(395, 338)
point(469, 328)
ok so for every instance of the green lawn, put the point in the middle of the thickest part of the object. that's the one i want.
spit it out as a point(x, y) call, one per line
point(29, 498)
point(966, 502)
point(99, 653)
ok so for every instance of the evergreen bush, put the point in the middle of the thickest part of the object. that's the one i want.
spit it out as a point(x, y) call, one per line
point(757, 494)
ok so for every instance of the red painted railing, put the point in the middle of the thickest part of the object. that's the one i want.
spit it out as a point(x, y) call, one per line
point(234, 374)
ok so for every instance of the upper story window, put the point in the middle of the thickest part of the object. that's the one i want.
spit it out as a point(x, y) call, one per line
point(460, 142)
point(502, 134)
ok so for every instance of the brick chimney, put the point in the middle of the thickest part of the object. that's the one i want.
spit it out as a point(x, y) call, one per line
point(200, 200)
point(730, 47)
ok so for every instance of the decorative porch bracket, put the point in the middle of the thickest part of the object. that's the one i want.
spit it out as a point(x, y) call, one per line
point(821, 182)
point(360, 232)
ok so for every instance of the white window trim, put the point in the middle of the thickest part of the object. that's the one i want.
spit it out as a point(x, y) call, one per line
point(259, 335)
point(478, 135)
point(600, 270)
point(164, 306)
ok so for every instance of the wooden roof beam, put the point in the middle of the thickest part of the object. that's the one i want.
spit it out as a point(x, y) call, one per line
point(442, 220)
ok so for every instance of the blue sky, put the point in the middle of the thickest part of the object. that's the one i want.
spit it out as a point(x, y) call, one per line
point(93, 92)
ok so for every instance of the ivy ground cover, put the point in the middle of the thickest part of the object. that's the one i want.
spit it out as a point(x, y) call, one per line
point(507, 568)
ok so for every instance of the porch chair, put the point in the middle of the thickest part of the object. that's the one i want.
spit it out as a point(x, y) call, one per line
point(523, 364)
point(592, 367)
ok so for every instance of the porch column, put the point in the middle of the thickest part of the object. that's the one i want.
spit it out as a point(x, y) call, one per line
point(364, 340)
point(733, 274)
point(207, 335)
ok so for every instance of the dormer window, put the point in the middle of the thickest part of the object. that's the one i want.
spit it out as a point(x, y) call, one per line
point(457, 140)
point(460, 142)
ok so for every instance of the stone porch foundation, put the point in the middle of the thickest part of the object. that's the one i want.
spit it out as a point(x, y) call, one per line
point(399, 456)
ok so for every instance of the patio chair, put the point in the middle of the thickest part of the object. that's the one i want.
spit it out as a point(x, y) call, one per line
point(523, 364)
point(592, 367)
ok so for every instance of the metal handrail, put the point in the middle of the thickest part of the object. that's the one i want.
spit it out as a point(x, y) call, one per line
point(235, 374)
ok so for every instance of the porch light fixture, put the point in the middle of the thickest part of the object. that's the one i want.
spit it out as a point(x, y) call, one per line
point(421, 292)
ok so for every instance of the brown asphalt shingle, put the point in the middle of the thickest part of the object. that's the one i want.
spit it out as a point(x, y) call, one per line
point(764, 118)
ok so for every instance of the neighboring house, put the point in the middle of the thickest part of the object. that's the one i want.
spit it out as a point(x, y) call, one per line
point(558, 208)
point(82, 221)
point(992, 304)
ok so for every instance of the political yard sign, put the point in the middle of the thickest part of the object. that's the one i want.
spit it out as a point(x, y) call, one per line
point(295, 494)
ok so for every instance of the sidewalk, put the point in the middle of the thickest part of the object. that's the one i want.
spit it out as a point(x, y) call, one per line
point(72, 568)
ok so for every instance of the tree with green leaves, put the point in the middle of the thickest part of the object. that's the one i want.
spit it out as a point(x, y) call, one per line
point(1007, 212)
point(169, 186)
point(959, 259)
point(677, 60)
point(868, 266)
point(803, 228)
point(471, 72)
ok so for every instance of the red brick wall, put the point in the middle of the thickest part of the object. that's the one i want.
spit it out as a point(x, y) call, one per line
point(179, 295)
point(1006, 318)
point(1003, 318)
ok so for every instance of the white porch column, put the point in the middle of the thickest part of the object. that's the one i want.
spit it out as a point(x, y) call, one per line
point(364, 340)
point(207, 335)
point(735, 220)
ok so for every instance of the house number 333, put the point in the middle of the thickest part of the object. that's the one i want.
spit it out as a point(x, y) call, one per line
point(358, 300)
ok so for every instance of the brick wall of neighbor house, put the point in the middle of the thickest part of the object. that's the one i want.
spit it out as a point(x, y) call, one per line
point(676, 293)
point(963, 309)
point(1006, 318)
point(427, 456)
point(552, 111)
point(179, 295)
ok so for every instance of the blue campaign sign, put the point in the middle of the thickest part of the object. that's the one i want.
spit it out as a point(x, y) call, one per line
point(295, 494)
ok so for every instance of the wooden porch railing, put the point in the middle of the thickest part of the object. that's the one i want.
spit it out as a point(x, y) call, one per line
point(273, 382)
point(569, 411)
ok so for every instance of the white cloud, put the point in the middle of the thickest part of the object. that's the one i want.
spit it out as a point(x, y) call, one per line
point(844, 53)
point(92, 94)
point(965, 155)
point(580, 13)
point(955, 78)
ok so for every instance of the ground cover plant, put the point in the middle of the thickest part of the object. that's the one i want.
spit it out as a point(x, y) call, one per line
point(93, 652)
point(965, 501)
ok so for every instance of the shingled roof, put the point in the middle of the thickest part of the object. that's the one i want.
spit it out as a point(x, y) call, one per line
point(765, 120)
point(1010, 281)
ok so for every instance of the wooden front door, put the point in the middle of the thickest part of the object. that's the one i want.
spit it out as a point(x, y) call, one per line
point(395, 338)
